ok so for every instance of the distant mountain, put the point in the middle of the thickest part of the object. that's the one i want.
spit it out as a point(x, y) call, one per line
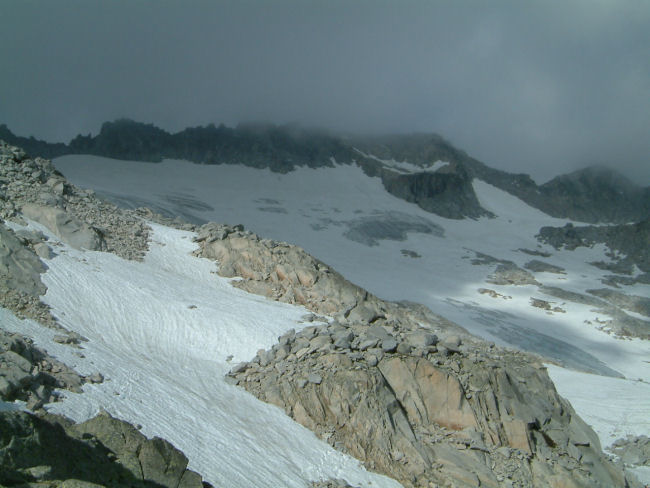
point(595, 194)
point(125, 139)
point(279, 148)
point(410, 166)
point(34, 146)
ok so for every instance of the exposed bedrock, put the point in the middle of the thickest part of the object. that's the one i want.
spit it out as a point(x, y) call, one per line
point(68, 228)
point(629, 244)
point(33, 188)
point(446, 193)
point(50, 451)
point(30, 374)
point(423, 410)
point(406, 392)
point(20, 270)
point(285, 272)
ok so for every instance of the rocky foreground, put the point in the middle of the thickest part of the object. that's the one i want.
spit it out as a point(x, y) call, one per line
point(39, 449)
point(408, 393)
point(404, 391)
point(51, 451)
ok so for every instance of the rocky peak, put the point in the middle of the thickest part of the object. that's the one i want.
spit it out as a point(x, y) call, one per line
point(591, 195)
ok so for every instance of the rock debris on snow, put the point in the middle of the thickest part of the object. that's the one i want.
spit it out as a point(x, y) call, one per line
point(416, 401)
point(404, 391)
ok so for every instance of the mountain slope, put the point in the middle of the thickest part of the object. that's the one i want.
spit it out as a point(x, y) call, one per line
point(461, 269)
point(595, 194)
point(162, 330)
point(592, 195)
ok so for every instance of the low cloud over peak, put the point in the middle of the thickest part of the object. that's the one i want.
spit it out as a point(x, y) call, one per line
point(538, 88)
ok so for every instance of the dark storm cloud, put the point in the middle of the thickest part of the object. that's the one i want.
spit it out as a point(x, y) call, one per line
point(538, 87)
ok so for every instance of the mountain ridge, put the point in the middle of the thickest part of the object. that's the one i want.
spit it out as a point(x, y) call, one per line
point(592, 195)
point(426, 402)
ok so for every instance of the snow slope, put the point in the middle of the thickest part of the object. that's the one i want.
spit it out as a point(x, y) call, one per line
point(398, 251)
point(405, 167)
point(165, 361)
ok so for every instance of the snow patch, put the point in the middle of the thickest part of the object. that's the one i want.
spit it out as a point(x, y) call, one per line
point(160, 332)
point(320, 203)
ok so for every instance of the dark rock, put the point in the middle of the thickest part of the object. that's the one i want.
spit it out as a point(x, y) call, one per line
point(68, 228)
point(101, 452)
point(20, 268)
point(448, 194)
point(630, 240)
point(543, 267)
point(511, 274)
point(589, 195)
point(389, 344)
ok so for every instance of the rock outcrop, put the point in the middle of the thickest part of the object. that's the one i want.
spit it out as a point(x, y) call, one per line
point(450, 411)
point(446, 193)
point(20, 267)
point(606, 301)
point(409, 394)
point(66, 227)
point(633, 450)
point(590, 195)
point(49, 450)
point(595, 194)
point(284, 272)
point(35, 189)
point(20, 280)
point(406, 392)
point(629, 244)
point(633, 303)
point(30, 374)
point(46, 450)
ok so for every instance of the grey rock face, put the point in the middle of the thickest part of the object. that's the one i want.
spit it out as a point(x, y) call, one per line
point(410, 395)
point(20, 268)
point(28, 373)
point(595, 195)
point(633, 450)
point(449, 194)
point(467, 413)
point(76, 216)
point(102, 452)
point(630, 240)
point(65, 226)
point(20, 281)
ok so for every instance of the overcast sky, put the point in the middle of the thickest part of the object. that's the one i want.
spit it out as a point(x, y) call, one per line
point(539, 87)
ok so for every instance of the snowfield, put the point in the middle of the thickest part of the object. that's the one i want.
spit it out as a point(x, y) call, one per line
point(164, 362)
point(390, 247)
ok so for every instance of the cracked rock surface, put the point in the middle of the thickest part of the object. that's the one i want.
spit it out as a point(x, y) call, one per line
point(409, 394)
point(50, 451)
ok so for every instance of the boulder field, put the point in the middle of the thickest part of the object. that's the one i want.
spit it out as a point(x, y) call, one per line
point(410, 394)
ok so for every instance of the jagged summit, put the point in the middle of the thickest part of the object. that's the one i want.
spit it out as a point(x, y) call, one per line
point(409, 165)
